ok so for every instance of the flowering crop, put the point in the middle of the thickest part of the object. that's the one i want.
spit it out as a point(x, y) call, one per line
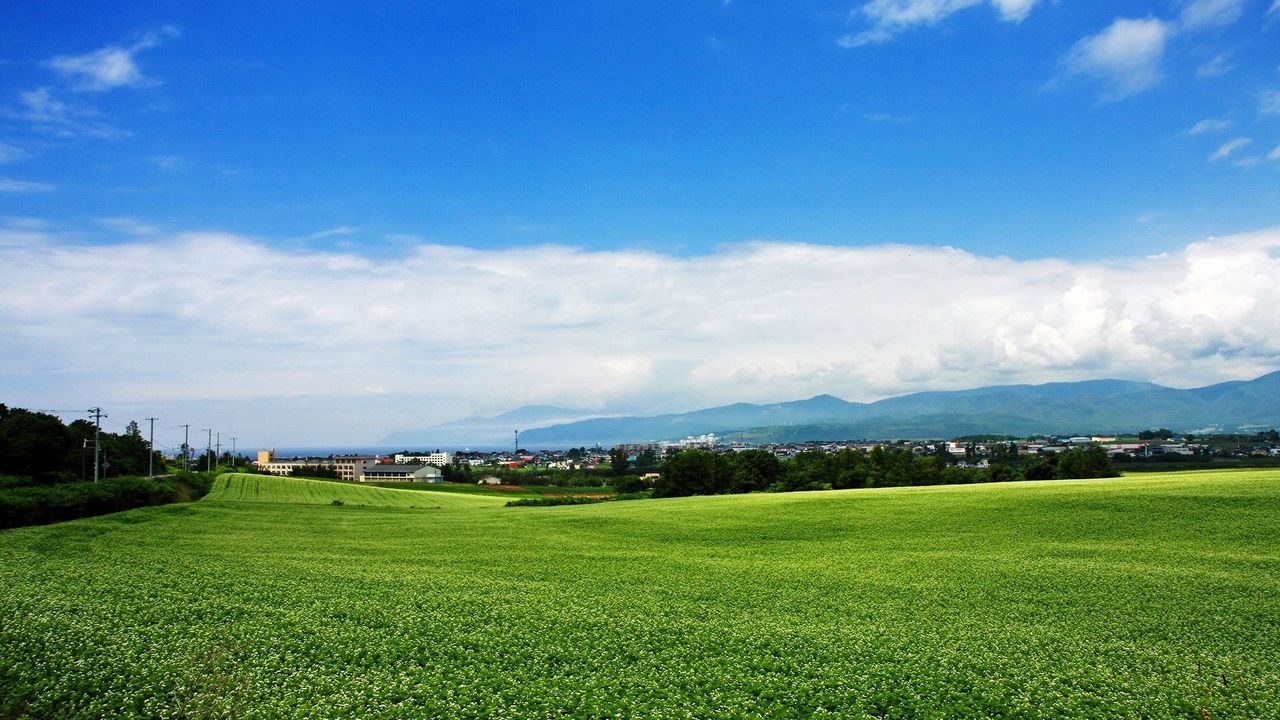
point(239, 487)
point(1133, 597)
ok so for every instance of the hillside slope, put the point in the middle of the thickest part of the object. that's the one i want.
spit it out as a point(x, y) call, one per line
point(239, 487)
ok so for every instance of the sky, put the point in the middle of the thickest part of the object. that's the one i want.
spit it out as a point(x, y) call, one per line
point(309, 224)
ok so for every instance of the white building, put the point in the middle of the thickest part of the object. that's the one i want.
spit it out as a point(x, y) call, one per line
point(399, 472)
point(437, 458)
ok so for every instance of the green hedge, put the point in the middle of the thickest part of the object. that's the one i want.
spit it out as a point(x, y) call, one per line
point(43, 504)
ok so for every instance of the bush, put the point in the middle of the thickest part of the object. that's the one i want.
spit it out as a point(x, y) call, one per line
point(43, 504)
point(547, 501)
point(630, 484)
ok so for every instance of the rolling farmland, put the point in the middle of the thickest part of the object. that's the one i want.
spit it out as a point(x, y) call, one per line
point(1150, 596)
point(236, 487)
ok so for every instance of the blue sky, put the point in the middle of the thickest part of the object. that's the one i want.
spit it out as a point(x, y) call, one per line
point(485, 147)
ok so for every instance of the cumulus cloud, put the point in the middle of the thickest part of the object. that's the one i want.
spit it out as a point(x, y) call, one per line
point(1125, 57)
point(889, 18)
point(109, 67)
point(449, 330)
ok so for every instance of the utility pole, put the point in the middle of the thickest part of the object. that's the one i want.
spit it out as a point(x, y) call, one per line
point(186, 446)
point(517, 442)
point(233, 453)
point(97, 430)
point(151, 449)
point(208, 448)
point(217, 454)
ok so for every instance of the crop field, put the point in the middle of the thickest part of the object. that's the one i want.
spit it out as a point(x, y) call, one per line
point(1155, 596)
point(236, 487)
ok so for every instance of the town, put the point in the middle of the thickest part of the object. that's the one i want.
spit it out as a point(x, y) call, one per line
point(1148, 447)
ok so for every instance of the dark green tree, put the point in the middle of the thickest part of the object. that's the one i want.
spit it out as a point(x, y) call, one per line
point(647, 460)
point(618, 460)
point(694, 472)
point(1090, 462)
point(34, 444)
point(754, 470)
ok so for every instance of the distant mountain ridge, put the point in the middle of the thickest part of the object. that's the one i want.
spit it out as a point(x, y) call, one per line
point(1092, 406)
point(1096, 406)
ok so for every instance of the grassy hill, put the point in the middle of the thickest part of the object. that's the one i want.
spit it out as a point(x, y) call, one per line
point(238, 487)
point(1149, 596)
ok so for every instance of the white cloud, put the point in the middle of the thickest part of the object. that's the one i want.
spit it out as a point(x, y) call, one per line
point(1274, 154)
point(24, 186)
point(888, 18)
point(109, 67)
point(11, 153)
point(47, 113)
point(1269, 102)
point(1229, 147)
point(449, 330)
point(1202, 14)
point(1209, 125)
point(172, 164)
point(1217, 66)
point(129, 226)
point(1125, 57)
point(339, 230)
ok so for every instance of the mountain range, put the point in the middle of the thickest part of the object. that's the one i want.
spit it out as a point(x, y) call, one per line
point(1091, 406)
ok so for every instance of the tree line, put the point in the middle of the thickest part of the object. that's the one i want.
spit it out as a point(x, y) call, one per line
point(701, 472)
point(37, 448)
point(46, 471)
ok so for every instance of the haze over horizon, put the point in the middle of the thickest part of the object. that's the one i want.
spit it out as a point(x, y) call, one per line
point(313, 225)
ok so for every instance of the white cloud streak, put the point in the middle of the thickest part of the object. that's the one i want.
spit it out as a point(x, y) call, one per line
point(1224, 151)
point(11, 153)
point(1269, 102)
point(1204, 14)
point(331, 232)
point(889, 18)
point(1217, 66)
point(1209, 125)
point(47, 113)
point(109, 67)
point(24, 186)
point(451, 330)
point(1125, 57)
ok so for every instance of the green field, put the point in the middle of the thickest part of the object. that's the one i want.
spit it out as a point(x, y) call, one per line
point(1155, 596)
point(246, 488)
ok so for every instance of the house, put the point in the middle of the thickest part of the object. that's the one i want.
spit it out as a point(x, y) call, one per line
point(399, 472)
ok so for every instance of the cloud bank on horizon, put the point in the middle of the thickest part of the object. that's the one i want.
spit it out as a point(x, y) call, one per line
point(450, 209)
point(451, 330)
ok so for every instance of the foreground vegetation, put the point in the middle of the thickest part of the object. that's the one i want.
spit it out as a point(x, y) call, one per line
point(26, 503)
point(1133, 597)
